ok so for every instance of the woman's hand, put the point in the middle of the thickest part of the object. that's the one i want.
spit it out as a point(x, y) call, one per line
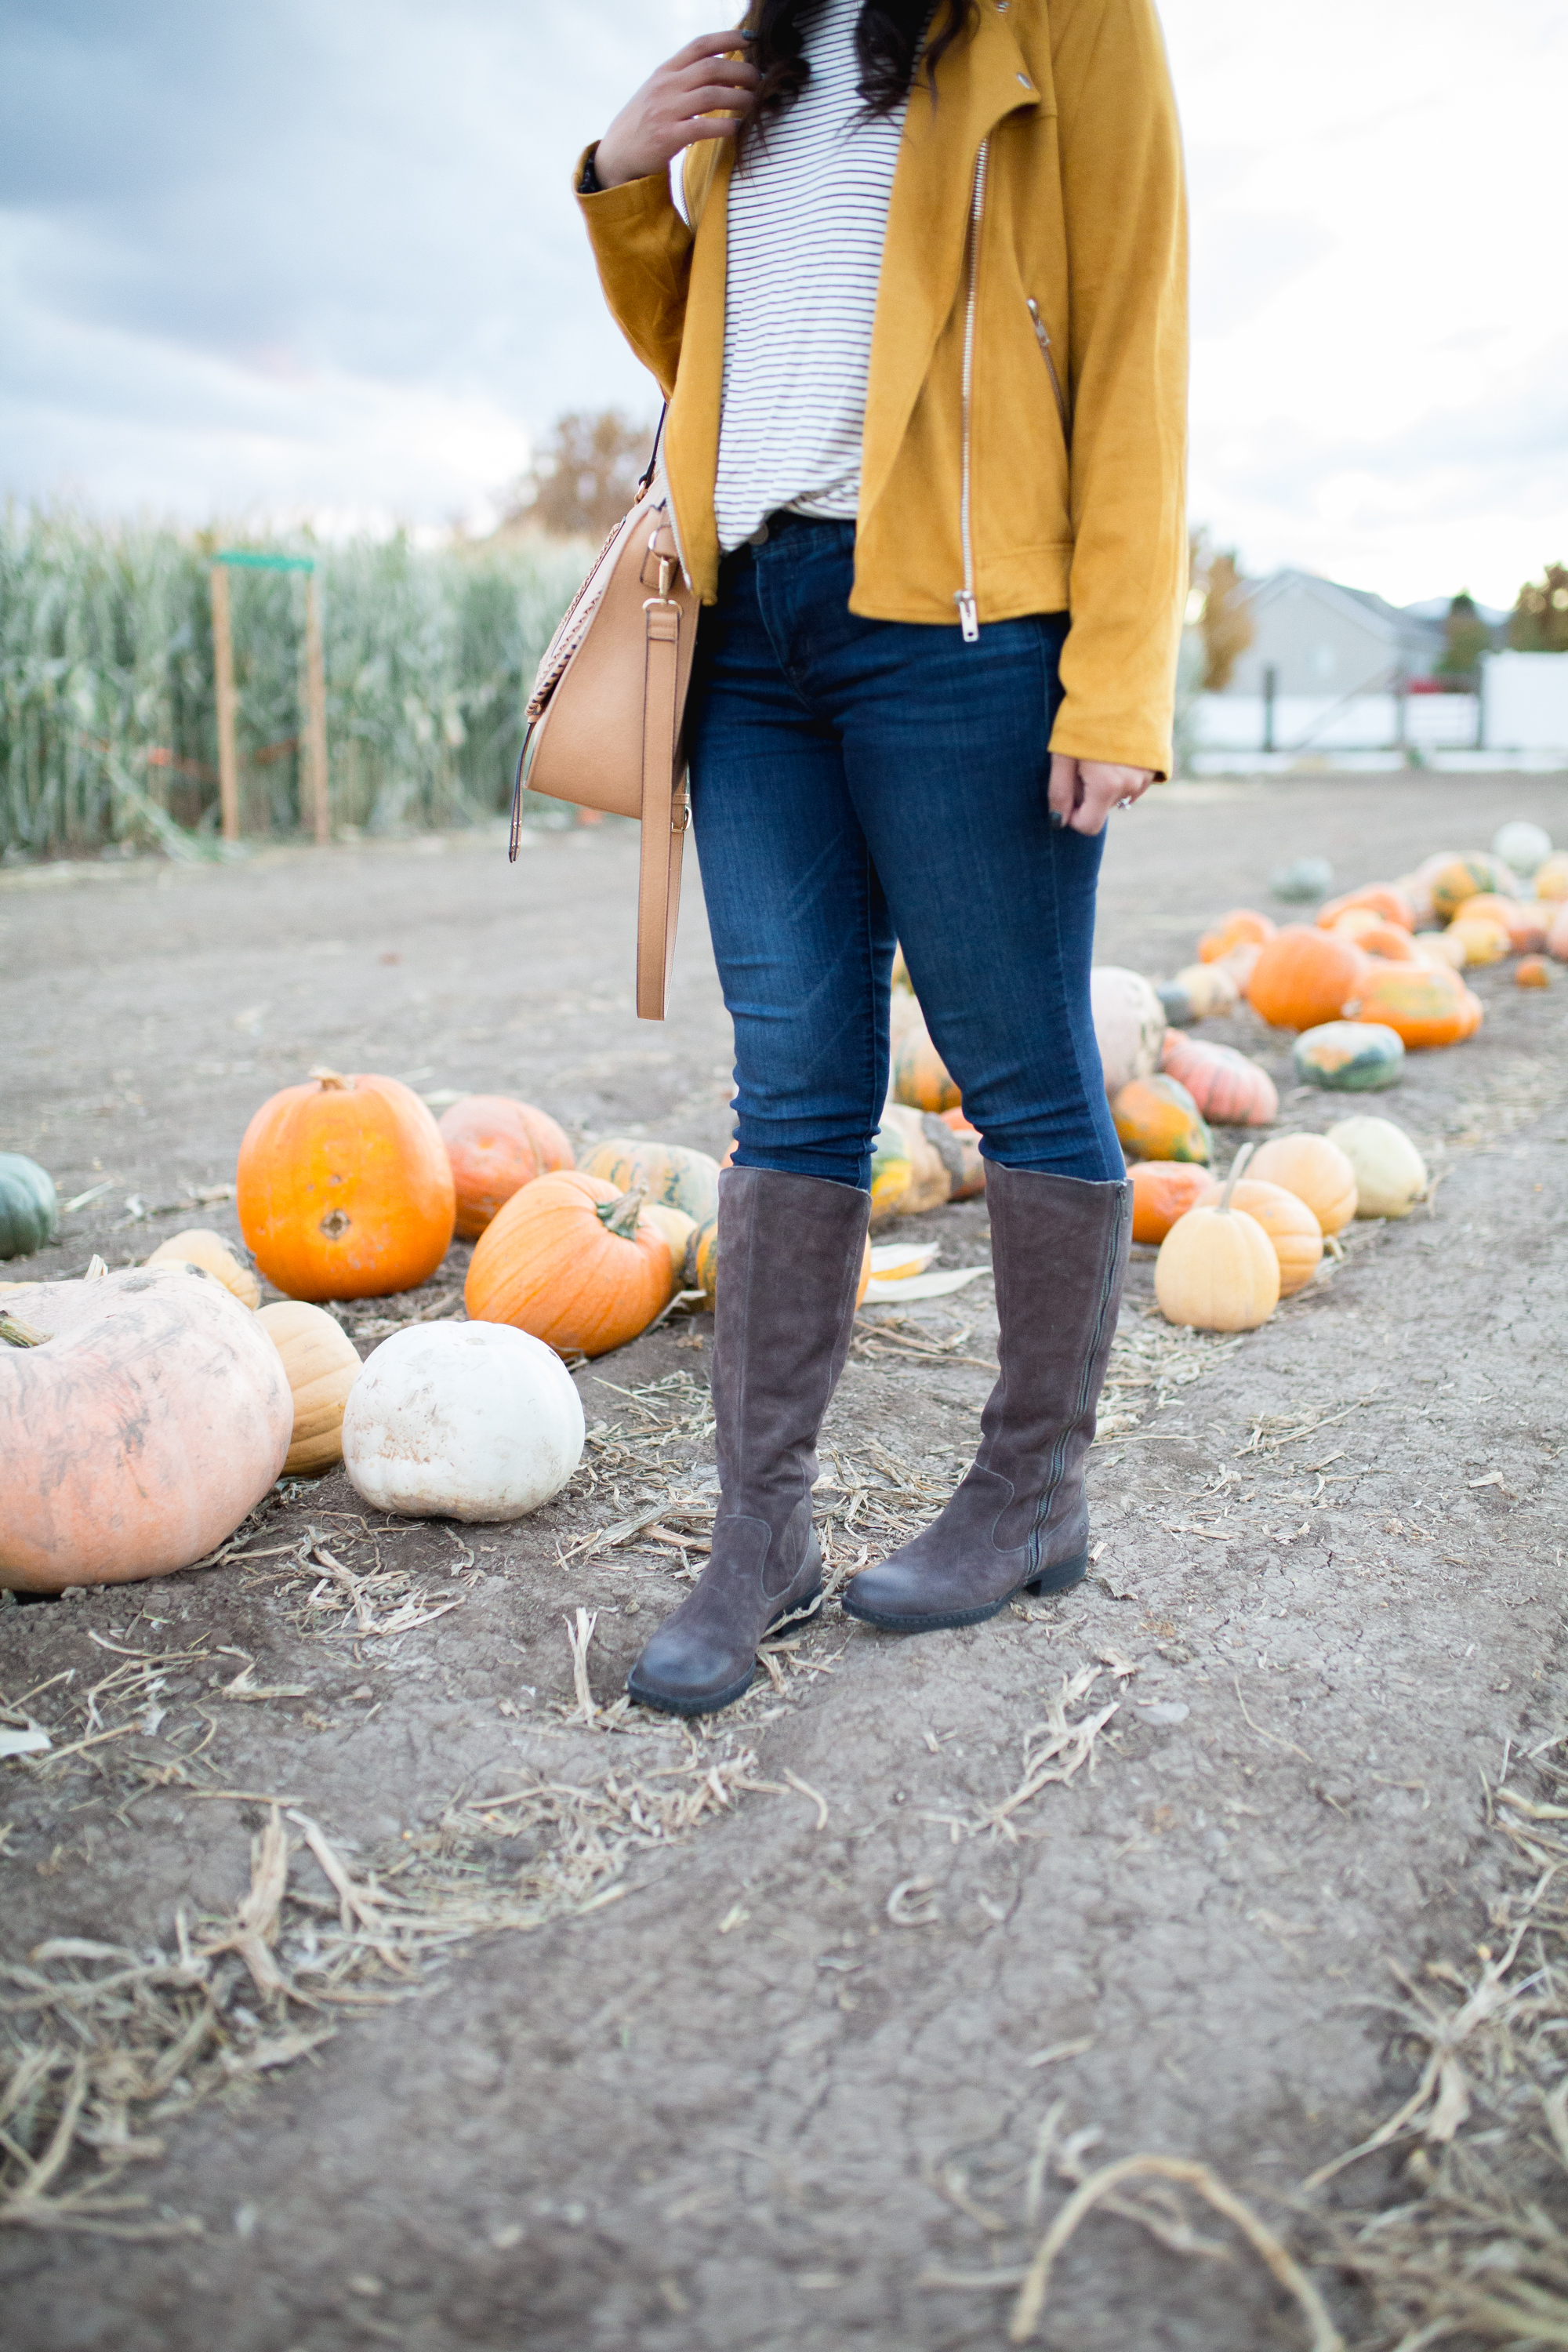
point(1084, 791)
point(704, 91)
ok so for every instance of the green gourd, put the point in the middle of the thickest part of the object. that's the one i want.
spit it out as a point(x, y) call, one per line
point(29, 1211)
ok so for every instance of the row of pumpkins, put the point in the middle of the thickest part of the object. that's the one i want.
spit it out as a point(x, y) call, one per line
point(1360, 985)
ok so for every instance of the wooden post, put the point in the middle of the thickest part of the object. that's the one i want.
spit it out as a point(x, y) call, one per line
point(315, 713)
point(223, 665)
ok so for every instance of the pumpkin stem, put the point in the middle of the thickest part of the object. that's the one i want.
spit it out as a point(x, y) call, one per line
point(17, 1334)
point(331, 1081)
point(1236, 1165)
point(96, 1269)
point(621, 1216)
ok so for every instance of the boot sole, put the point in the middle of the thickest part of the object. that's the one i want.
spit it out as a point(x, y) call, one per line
point(712, 1703)
point(1060, 1578)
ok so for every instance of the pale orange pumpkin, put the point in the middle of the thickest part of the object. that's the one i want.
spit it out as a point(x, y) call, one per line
point(1532, 972)
point(199, 1246)
point(1242, 927)
point(152, 1417)
point(1216, 1270)
point(323, 1365)
point(496, 1145)
point(1303, 976)
point(1315, 1170)
point(1390, 905)
point(573, 1260)
point(1472, 1012)
point(1557, 935)
point(1388, 941)
point(1354, 922)
point(345, 1190)
point(1163, 1190)
point(1290, 1223)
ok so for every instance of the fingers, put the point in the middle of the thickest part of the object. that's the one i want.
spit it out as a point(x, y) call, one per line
point(1103, 787)
point(1065, 789)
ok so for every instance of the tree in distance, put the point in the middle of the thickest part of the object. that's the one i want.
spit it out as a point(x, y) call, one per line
point(1224, 620)
point(1539, 623)
point(1465, 638)
point(584, 477)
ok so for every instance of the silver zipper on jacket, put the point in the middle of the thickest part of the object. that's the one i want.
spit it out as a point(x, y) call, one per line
point(964, 598)
point(1043, 337)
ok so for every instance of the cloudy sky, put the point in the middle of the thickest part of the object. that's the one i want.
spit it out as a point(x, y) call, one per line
point(319, 257)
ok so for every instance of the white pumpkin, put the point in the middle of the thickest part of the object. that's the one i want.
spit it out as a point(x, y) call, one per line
point(1129, 1023)
point(462, 1420)
point(1389, 1173)
point(1521, 846)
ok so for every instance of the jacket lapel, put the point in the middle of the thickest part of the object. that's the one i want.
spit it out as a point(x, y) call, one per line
point(978, 84)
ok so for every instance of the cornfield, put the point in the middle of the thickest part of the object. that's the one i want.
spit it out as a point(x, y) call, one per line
point(108, 719)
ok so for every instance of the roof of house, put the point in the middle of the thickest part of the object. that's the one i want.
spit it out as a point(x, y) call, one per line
point(1386, 620)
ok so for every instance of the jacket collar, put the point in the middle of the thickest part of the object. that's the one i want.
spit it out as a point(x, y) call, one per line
point(979, 83)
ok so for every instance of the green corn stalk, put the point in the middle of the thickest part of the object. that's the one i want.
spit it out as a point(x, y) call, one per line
point(108, 724)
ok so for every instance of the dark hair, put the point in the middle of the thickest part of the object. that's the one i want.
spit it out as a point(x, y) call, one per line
point(889, 41)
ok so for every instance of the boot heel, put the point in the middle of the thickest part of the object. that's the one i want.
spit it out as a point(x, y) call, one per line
point(1058, 1579)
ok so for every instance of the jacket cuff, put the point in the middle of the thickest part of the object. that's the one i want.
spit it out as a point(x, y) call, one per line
point(1076, 738)
point(630, 201)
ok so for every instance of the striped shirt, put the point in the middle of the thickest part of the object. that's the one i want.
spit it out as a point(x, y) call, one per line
point(807, 219)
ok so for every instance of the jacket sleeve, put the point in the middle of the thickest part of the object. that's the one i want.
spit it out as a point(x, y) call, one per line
point(643, 250)
point(1125, 209)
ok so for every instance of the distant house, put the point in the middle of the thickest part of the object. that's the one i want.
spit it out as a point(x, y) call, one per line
point(1320, 638)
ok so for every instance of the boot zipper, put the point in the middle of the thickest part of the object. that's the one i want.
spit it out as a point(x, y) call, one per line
point(1042, 336)
point(964, 598)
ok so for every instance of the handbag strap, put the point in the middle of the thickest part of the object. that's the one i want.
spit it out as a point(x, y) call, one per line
point(664, 813)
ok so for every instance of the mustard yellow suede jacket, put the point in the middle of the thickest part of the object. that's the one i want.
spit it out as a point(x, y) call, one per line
point(1024, 442)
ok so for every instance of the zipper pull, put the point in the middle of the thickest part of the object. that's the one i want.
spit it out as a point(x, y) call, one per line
point(968, 619)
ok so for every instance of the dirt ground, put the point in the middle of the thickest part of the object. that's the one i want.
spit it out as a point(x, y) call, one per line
point(777, 2034)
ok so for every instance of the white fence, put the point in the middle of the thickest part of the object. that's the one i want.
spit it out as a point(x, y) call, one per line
point(1524, 702)
point(1311, 722)
point(1522, 709)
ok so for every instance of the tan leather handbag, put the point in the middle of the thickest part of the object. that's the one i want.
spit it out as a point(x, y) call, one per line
point(605, 717)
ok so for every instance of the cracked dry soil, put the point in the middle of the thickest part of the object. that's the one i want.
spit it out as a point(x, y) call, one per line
point(786, 2075)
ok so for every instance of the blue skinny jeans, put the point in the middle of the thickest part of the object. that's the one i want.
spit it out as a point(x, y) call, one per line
point(855, 783)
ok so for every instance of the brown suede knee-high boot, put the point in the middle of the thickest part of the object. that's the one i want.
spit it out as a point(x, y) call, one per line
point(790, 1253)
point(1018, 1521)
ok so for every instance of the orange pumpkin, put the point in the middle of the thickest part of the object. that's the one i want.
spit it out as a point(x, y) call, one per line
point(1163, 1190)
point(1315, 1170)
point(918, 1074)
point(1242, 927)
point(496, 1145)
point(1228, 1087)
point(1532, 972)
point(1389, 905)
point(345, 1190)
point(152, 1417)
point(574, 1262)
point(1422, 1003)
point(1557, 935)
point(1156, 1119)
point(1290, 1223)
point(1303, 976)
point(1472, 1012)
point(1389, 941)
